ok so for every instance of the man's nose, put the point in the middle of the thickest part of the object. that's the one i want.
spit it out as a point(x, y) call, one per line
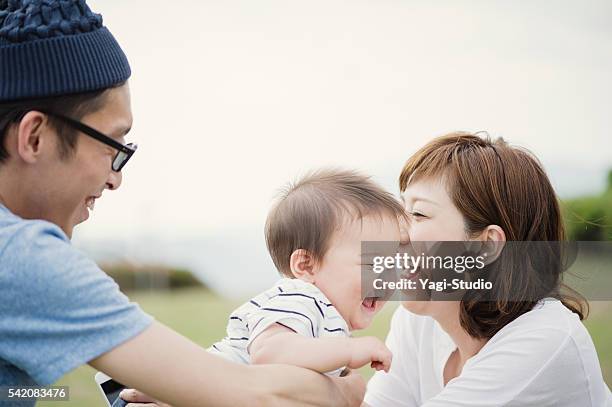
point(114, 180)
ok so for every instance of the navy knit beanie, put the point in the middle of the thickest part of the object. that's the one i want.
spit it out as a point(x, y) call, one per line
point(56, 47)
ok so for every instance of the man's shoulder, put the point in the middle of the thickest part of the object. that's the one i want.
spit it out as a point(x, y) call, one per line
point(37, 254)
point(16, 232)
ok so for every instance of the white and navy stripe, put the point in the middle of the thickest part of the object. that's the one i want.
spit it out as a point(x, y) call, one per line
point(293, 303)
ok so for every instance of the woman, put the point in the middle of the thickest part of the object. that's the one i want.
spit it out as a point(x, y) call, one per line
point(533, 352)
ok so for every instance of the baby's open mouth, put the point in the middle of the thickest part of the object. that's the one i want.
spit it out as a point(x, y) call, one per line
point(370, 303)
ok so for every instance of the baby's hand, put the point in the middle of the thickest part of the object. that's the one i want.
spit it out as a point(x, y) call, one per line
point(369, 349)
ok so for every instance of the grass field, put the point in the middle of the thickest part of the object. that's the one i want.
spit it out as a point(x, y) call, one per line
point(202, 316)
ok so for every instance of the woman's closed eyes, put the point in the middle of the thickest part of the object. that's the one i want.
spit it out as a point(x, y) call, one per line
point(417, 215)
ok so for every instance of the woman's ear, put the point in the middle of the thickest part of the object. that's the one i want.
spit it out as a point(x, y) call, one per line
point(493, 233)
point(303, 265)
point(493, 240)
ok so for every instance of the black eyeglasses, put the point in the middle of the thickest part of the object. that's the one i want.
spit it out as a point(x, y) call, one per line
point(124, 151)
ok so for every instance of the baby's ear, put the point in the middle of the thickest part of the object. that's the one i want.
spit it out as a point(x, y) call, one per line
point(303, 265)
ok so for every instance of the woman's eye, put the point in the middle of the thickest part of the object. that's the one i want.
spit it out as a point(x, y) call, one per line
point(417, 214)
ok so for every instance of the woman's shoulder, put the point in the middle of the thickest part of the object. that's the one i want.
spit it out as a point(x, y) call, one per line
point(550, 318)
point(544, 350)
point(548, 326)
point(549, 315)
point(551, 329)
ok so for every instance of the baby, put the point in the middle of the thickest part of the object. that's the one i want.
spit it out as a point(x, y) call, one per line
point(314, 236)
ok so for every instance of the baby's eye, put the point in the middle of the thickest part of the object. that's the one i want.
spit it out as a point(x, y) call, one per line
point(417, 214)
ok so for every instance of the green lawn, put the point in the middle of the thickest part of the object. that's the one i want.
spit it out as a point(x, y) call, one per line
point(202, 316)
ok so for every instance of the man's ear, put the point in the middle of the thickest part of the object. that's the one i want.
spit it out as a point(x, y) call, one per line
point(30, 140)
point(303, 265)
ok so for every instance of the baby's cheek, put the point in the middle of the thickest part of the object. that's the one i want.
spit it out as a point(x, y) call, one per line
point(404, 235)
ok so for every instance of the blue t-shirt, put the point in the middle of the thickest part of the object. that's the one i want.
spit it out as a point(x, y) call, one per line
point(58, 310)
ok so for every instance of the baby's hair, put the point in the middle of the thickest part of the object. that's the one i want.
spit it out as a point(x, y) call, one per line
point(309, 211)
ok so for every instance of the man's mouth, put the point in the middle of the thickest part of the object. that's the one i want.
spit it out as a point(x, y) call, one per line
point(91, 202)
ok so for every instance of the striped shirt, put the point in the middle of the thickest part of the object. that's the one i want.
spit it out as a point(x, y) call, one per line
point(293, 303)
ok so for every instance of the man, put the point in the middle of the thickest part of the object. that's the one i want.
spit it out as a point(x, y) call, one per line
point(64, 114)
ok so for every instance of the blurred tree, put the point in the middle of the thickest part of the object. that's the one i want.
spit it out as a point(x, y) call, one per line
point(590, 217)
point(131, 277)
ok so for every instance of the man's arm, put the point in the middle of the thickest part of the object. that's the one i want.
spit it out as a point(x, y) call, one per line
point(173, 369)
point(279, 344)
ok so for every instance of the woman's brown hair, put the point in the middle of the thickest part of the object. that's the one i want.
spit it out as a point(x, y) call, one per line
point(493, 183)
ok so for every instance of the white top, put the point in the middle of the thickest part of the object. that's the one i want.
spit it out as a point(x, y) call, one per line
point(545, 357)
point(293, 303)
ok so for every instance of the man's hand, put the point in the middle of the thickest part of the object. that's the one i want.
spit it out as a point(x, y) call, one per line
point(369, 349)
point(351, 387)
point(136, 398)
point(203, 379)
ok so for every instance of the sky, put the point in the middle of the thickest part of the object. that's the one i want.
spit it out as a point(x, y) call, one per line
point(233, 99)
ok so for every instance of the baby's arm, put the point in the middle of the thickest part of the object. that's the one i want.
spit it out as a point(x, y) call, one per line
point(279, 344)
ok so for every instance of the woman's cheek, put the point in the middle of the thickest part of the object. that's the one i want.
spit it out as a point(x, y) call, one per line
point(434, 230)
point(419, 232)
